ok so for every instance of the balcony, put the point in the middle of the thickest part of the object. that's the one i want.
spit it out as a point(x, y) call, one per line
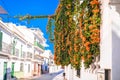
point(16, 52)
point(29, 55)
point(38, 57)
point(6, 48)
point(23, 54)
point(38, 45)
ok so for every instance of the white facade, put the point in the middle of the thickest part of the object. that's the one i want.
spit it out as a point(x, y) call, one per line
point(115, 9)
point(19, 51)
point(45, 64)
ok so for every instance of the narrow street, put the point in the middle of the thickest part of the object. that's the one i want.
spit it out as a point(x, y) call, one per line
point(48, 76)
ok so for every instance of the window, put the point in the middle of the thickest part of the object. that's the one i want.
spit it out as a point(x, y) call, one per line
point(78, 72)
point(28, 67)
point(21, 66)
point(16, 52)
point(45, 68)
point(21, 51)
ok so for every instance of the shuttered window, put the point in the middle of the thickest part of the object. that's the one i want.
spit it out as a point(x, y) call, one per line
point(1, 34)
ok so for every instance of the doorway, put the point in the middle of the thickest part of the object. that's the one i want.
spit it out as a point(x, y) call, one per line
point(12, 72)
point(107, 74)
point(5, 69)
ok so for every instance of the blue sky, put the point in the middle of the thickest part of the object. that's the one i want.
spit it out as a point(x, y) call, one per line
point(32, 7)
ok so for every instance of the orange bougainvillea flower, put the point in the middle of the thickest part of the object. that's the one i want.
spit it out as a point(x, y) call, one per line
point(94, 2)
point(75, 56)
point(70, 48)
point(84, 39)
point(81, 36)
point(85, 28)
point(67, 13)
point(95, 10)
point(88, 56)
point(91, 27)
point(54, 57)
point(80, 24)
point(71, 59)
point(87, 43)
point(95, 31)
point(94, 35)
point(87, 48)
point(69, 52)
point(82, 57)
point(76, 62)
point(96, 40)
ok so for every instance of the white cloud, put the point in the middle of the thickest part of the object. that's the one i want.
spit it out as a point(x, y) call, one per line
point(45, 45)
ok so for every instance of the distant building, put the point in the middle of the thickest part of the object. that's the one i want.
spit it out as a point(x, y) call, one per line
point(46, 64)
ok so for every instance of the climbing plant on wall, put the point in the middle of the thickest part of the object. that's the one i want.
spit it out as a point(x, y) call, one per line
point(76, 31)
point(90, 31)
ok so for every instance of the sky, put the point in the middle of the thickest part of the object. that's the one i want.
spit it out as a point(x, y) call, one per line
point(32, 7)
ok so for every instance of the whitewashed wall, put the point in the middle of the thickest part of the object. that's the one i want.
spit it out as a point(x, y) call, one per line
point(106, 37)
point(6, 37)
point(105, 47)
point(26, 73)
point(84, 74)
point(115, 20)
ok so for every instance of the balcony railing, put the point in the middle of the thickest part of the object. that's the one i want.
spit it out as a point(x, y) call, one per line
point(6, 48)
point(16, 52)
point(36, 57)
point(23, 54)
point(29, 55)
point(38, 44)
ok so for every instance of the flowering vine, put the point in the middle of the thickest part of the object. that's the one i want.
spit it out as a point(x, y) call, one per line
point(77, 39)
point(76, 31)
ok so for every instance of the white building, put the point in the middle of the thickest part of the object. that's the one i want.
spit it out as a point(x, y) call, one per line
point(5, 49)
point(106, 66)
point(19, 51)
point(48, 65)
point(45, 65)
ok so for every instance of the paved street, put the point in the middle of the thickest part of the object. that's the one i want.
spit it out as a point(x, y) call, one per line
point(48, 76)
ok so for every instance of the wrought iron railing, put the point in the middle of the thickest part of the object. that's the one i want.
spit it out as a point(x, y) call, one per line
point(39, 45)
